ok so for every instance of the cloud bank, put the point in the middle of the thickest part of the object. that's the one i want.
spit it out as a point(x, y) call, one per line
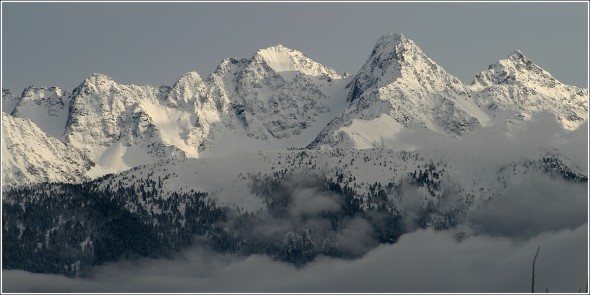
point(422, 261)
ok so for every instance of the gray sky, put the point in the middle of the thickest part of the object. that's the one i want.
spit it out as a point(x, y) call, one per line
point(46, 44)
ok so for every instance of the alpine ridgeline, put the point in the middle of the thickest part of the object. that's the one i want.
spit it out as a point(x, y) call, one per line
point(277, 99)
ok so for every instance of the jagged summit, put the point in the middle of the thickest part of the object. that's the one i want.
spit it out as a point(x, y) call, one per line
point(515, 68)
point(190, 75)
point(279, 58)
point(278, 47)
point(96, 82)
point(227, 65)
point(520, 87)
point(394, 39)
point(398, 60)
point(517, 55)
point(187, 88)
point(518, 59)
point(276, 51)
point(398, 45)
point(190, 79)
point(400, 87)
point(393, 57)
point(287, 62)
point(98, 77)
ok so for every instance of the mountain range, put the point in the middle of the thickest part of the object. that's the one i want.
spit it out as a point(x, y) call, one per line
point(277, 155)
point(274, 100)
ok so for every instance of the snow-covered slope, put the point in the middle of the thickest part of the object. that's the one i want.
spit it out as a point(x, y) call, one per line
point(399, 87)
point(122, 126)
point(435, 173)
point(228, 179)
point(30, 156)
point(289, 63)
point(45, 106)
point(189, 115)
point(517, 88)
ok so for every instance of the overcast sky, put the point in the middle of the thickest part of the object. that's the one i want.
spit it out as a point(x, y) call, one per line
point(46, 44)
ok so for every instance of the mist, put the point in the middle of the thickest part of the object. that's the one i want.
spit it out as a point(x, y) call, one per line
point(538, 204)
point(422, 261)
point(481, 152)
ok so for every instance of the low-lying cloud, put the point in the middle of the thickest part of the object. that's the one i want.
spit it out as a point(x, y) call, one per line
point(422, 261)
point(482, 151)
point(537, 203)
point(310, 201)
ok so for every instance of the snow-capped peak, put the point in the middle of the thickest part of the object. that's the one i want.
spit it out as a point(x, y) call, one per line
point(288, 62)
point(517, 85)
point(400, 87)
point(98, 82)
point(393, 57)
point(97, 77)
point(227, 65)
point(393, 39)
point(279, 58)
point(395, 46)
point(190, 76)
point(188, 87)
point(516, 68)
point(190, 80)
point(518, 56)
